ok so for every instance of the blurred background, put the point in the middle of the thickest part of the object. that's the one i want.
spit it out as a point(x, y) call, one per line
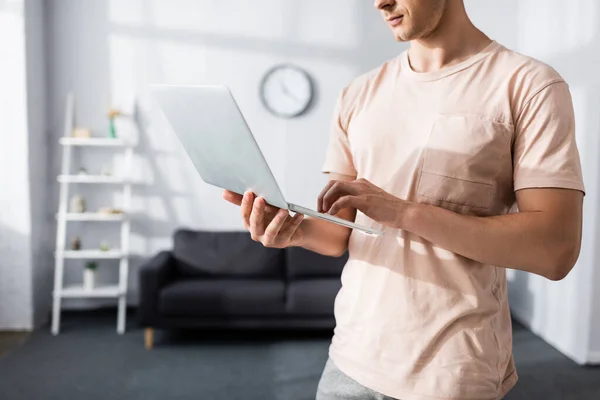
point(104, 218)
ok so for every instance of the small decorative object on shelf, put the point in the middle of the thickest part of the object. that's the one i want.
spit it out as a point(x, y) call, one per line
point(104, 246)
point(109, 210)
point(89, 275)
point(83, 133)
point(77, 204)
point(76, 243)
point(112, 114)
point(106, 170)
point(82, 171)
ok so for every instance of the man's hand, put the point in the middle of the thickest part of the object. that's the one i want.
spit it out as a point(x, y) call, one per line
point(362, 195)
point(271, 226)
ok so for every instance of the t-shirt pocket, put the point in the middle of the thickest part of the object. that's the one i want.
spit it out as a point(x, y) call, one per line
point(461, 162)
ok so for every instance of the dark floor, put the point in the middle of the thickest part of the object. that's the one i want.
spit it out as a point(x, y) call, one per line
point(88, 360)
point(11, 340)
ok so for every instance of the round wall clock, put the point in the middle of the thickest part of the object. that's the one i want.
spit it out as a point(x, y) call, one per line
point(286, 91)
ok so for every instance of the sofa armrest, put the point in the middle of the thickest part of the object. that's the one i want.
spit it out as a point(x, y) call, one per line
point(155, 274)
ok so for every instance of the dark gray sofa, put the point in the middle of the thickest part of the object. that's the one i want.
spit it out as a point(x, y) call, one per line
point(226, 280)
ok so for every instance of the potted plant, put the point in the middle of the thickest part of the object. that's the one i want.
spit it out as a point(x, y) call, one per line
point(89, 275)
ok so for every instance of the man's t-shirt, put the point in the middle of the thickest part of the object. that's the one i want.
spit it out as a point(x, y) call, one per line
point(415, 321)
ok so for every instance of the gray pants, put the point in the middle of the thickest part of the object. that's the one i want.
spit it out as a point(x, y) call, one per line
point(335, 385)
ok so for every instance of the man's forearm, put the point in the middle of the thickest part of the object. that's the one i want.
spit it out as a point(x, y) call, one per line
point(324, 237)
point(529, 241)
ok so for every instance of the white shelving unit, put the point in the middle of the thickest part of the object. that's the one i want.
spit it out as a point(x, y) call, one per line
point(90, 179)
point(66, 178)
point(93, 216)
point(98, 142)
point(92, 254)
point(78, 291)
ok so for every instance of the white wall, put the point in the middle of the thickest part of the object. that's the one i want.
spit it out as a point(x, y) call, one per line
point(41, 242)
point(26, 266)
point(565, 35)
point(106, 50)
point(15, 225)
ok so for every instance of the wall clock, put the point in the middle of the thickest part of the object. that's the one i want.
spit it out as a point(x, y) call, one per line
point(287, 91)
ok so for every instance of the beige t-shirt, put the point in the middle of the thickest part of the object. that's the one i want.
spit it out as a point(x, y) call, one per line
point(415, 321)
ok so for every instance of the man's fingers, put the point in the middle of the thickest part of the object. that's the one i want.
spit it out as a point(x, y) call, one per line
point(290, 227)
point(337, 190)
point(237, 199)
point(348, 201)
point(287, 222)
point(271, 210)
point(322, 194)
point(275, 226)
point(246, 208)
point(233, 197)
point(257, 218)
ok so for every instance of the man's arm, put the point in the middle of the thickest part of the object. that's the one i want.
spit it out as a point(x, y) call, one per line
point(543, 238)
point(325, 237)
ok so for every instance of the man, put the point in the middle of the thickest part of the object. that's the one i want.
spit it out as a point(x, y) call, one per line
point(437, 147)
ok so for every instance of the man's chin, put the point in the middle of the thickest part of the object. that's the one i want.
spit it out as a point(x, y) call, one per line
point(401, 36)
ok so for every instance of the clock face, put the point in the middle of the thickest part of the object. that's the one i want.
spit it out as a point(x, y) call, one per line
point(287, 91)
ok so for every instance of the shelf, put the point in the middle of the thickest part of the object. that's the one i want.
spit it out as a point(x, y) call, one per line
point(93, 216)
point(100, 291)
point(89, 179)
point(92, 142)
point(119, 180)
point(96, 254)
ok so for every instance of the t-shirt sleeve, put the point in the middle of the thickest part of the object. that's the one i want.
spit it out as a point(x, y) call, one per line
point(545, 152)
point(338, 158)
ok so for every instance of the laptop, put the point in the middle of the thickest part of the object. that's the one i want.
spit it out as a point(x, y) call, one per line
point(218, 141)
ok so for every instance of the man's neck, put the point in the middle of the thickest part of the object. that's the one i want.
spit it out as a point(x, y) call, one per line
point(454, 40)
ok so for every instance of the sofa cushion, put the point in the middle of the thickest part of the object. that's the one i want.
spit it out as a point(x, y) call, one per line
point(225, 254)
point(312, 296)
point(302, 263)
point(223, 298)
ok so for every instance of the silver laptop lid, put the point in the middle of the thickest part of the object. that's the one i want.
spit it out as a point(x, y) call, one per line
point(217, 139)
